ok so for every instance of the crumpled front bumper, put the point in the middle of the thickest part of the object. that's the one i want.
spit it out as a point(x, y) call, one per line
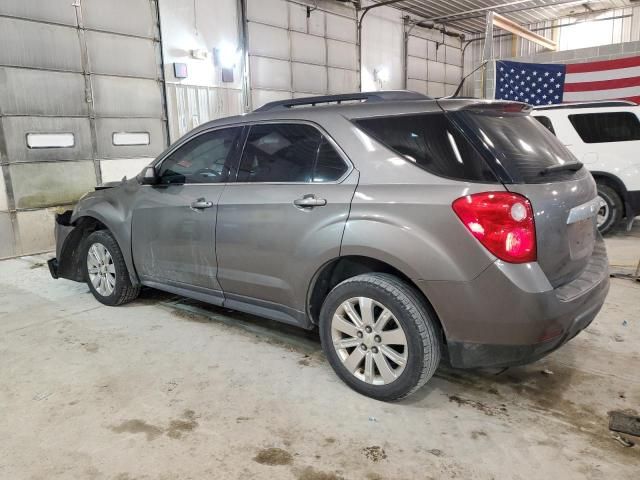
point(64, 265)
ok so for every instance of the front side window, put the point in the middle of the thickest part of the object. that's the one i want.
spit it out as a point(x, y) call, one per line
point(606, 127)
point(289, 153)
point(204, 159)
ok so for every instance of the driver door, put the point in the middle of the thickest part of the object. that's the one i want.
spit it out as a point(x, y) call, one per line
point(173, 230)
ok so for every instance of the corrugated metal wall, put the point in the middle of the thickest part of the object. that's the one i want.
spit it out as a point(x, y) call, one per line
point(623, 27)
point(78, 73)
point(291, 55)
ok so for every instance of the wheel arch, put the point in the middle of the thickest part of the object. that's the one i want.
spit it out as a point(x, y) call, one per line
point(615, 183)
point(341, 268)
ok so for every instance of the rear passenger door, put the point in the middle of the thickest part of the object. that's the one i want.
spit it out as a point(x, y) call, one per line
point(282, 218)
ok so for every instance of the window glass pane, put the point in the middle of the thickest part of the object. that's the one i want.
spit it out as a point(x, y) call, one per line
point(606, 127)
point(432, 143)
point(546, 123)
point(130, 138)
point(204, 159)
point(279, 153)
point(329, 166)
point(50, 140)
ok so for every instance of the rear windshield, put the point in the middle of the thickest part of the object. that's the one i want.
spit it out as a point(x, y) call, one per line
point(606, 127)
point(433, 143)
point(521, 146)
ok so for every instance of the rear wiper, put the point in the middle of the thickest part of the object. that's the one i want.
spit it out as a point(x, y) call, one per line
point(573, 166)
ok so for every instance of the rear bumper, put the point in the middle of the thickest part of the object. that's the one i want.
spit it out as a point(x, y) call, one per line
point(510, 314)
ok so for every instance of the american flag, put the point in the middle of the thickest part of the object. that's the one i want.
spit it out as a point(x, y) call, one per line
point(546, 83)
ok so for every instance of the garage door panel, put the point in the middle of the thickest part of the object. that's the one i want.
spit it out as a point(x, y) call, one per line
point(260, 97)
point(297, 17)
point(342, 81)
point(55, 11)
point(417, 68)
point(453, 74)
point(114, 170)
point(435, 89)
point(36, 234)
point(122, 97)
point(272, 12)
point(435, 71)
point(16, 130)
point(341, 54)
point(419, 86)
point(268, 41)
point(32, 44)
point(453, 55)
point(4, 201)
point(270, 73)
point(317, 22)
point(118, 55)
point(309, 78)
point(417, 47)
point(46, 184)
point(7, 236)
point(133, 17)
point(308, 48)
point(341, 28)
point(35, 92)
point(131, 135)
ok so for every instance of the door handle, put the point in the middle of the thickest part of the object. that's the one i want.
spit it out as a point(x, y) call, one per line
point(309, 201)
point(201, 203)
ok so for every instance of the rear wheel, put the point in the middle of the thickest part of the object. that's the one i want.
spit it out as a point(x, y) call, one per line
point(379, 336)
point(105, 270)
point(611, 208)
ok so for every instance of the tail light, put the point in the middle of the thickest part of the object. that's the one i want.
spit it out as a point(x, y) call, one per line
point(502, 222)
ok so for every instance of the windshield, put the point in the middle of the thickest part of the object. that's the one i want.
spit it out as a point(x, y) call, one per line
point(521, 146)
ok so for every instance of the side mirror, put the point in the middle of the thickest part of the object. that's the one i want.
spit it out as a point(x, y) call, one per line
point(148, 176)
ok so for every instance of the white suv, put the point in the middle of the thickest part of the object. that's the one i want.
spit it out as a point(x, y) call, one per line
point(605, 137)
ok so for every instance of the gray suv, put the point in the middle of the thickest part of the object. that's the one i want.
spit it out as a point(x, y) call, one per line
point(408, 230)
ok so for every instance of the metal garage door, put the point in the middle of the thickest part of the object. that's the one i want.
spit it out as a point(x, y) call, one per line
point(81, 102)
point(434, 62)
point(292, 55)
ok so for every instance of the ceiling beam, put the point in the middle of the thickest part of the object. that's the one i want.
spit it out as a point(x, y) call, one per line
point(522, 32)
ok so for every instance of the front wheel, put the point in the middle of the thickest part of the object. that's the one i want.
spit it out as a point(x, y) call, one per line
point(106, 271)
point(379, 336)
point(611, 207)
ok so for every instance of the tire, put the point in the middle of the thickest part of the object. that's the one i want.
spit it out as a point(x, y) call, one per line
point(105, 271)
point(611, 212)
point(420, 353)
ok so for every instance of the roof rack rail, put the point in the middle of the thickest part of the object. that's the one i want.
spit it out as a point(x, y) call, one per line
point(382, 96)
point(593, 104)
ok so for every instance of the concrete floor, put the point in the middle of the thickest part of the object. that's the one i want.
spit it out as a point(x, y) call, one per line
point(166, 388)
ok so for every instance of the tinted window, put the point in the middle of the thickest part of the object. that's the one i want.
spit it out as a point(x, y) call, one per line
point(432, 142)
point(546, 123)
point(289, 153)
point(204, 159)
point(522, 146)
point(329, 165)
point(606, 127)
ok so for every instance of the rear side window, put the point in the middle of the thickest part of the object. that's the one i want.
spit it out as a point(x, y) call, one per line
point(546, 123)
point(432, 142)
point(521, 146)
point(606, 127)
point(289, 153)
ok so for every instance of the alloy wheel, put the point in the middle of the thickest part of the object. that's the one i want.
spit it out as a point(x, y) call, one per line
point(101, 269)
point(603, 212)
point(369, 341)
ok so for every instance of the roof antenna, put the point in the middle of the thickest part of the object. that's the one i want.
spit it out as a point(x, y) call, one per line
point(482, 64)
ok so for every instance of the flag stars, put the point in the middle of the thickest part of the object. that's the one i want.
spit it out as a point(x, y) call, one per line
point(546, 74)
point(559, 74)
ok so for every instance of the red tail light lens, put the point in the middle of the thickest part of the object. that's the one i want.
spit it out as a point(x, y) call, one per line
point(502, 222)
